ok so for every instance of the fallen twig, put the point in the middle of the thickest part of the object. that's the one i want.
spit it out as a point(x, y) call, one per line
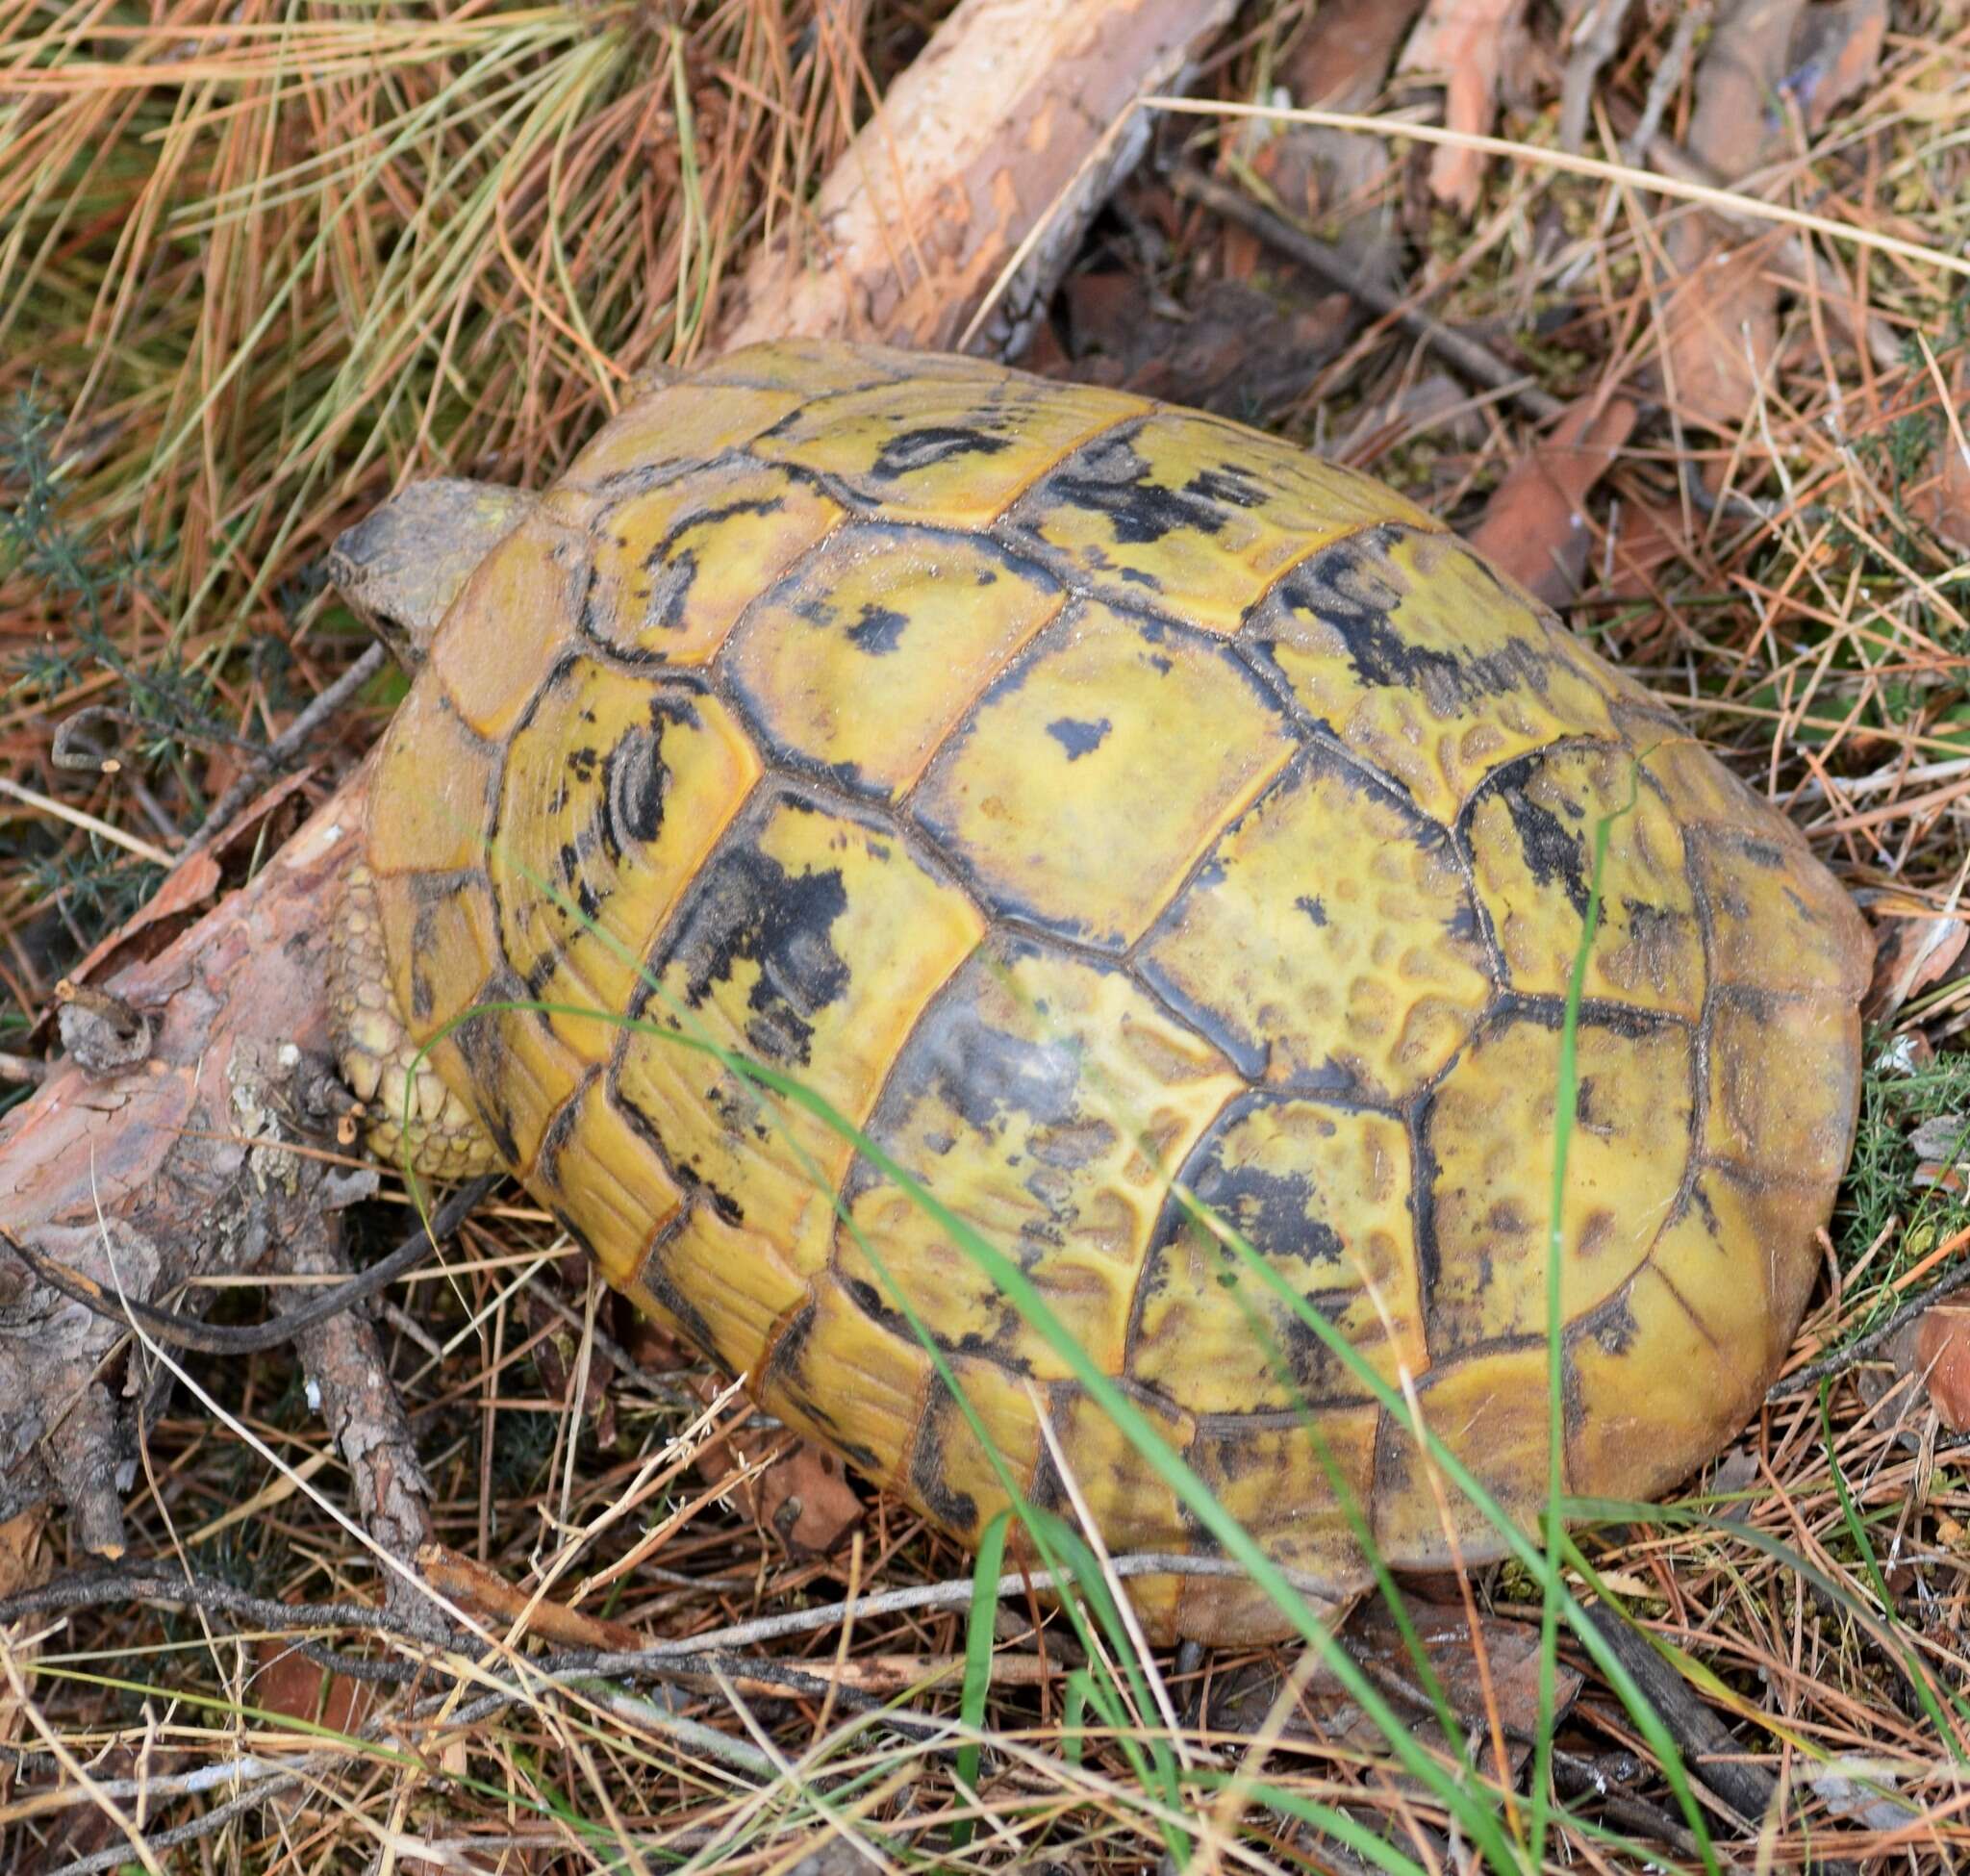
point(1467, 355)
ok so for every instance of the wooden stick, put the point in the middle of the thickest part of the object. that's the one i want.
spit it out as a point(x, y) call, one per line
point(988, 158)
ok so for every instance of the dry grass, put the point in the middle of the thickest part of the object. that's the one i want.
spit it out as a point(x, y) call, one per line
point(258, 263)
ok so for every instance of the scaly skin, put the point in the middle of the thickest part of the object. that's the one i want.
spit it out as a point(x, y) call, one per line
point(375, 1053)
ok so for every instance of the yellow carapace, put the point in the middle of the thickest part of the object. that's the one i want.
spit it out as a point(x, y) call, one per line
point(1096, 803)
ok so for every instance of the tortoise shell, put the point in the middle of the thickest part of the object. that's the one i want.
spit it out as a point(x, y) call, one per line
point(1080, 794)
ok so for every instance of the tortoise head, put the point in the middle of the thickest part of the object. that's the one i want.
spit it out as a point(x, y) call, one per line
point(403, 564)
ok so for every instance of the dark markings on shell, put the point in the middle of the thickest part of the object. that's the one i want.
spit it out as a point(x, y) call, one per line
point(1554, 854)
point(554, 1141)
point(1108, 478)
point(635, 781)
point(728, 1208)
point(1309, 904)
point(1629, 1021)
point(748, 906)
point(785, 1378)
point(935, 443)
point(982, 1073)
point(1229, 484)
point(1273, 1212)
point(959, 1510)
point(1078, 735)
point(1422, 1200)
point(656, 1279)
point(1249, 1055)
point(878, 630)
point(1613, 1325)
point(1352, 589)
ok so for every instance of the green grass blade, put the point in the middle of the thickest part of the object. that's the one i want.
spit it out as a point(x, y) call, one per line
point(978, 1639)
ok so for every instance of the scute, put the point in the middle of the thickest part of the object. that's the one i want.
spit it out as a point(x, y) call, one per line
point(1192, 518)
point(676, 564)
point(1324, 1196)
point(615, 790)
point(1328, 942)
point(1104, 709)
point(1489, 1132)
point(1424, 663)
point(1110, 812)
point(1532, 830)
point(921, 620)
point(1047, 1101)
point(957, 451)
point(811, 943)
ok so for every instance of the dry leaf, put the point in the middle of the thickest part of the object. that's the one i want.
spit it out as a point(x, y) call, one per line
point(1914, 949)
point(1719, 329)
point(287, 1681)
point(1643, 540)
point(1243, 1697)
point(806, 1500)
point(1720, 319)
point(1942, 1362)
point(1834, 53)
point(803, 1497)
point(1328, 176)
point(1533, 529)
point(1464, 43)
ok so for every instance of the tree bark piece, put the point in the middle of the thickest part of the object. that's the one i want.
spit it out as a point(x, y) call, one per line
point(350, 1387)
point(1018, 112)
point(173, 1168)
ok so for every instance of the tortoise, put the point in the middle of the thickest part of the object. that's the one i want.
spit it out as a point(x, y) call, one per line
point(1125, 819)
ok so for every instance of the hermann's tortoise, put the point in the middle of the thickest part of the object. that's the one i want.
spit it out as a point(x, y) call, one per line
point(1081, 795)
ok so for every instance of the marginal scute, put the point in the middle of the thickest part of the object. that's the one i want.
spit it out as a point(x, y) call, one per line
point(951, 1471)
point(616, 788)
point(1778, 922)
point(1490, 1132)
point(1532, 832)
point(518, 1072)
point(676, 565)
point(1764, 1114)
point(758, 1288)
point(1094, 773)
point(1323, 1198)
point(1424, 663)
point(432, 790)
point(678, 425)
point(442, 938)
point(1127, 1496)
point(523, 599)
point(593, 1160)
point(1047, 1103)
point(1327, 942)
point(1291, 1480)
point(837, 1373)
point(925, 619)
point(1657, 1390)
point(810, 944)
point(1490, 1412)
